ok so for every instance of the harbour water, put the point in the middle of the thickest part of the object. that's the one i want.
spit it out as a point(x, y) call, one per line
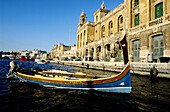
point(17, 95)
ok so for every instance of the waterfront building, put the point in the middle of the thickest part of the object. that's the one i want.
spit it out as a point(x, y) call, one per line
point(57, 53)
point(147, 26)
point(39, 54)
point(71, 52)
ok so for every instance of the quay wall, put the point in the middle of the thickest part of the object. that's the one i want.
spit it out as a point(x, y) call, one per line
point(136, 67)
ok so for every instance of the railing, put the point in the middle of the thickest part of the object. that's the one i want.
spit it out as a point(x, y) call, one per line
point(144, 26)
point(156, 22)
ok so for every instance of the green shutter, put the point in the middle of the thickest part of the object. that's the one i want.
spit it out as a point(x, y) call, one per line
point(136, 2)
point(111, 25)
point(121, 20)
point(137, 20)
point(159, 10)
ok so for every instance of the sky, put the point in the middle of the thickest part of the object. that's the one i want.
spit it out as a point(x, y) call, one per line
point(40, 24)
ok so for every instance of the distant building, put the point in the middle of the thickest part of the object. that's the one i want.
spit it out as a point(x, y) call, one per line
point(71, 52)
point(147, 24)
point(58, 51)
point(38, 54)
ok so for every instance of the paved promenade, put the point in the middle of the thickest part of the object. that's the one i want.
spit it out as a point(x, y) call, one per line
point(136, 67)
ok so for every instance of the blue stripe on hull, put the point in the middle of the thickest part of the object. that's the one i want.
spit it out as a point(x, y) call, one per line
point(120, 86)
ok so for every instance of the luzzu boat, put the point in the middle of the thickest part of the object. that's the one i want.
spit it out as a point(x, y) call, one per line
point(65, 80)
point(120, 83)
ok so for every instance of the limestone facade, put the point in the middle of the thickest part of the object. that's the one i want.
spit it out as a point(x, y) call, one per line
point(71, 52)
point(147, 26)
point(58, 51)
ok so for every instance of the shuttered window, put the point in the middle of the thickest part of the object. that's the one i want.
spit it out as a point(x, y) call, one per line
point(159, 10)
point(137, 20)
point(136, 2)
point(121, 20)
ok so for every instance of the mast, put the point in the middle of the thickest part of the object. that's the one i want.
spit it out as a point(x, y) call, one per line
point(123, 42)
point(69, 36)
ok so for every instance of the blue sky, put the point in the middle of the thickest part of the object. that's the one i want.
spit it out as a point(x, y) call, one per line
point(40, 24)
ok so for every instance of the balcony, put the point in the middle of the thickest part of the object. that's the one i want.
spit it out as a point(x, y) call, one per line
point(156, 22)
point(134, 29)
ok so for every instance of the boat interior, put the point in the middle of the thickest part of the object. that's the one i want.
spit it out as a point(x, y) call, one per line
point(58, 73)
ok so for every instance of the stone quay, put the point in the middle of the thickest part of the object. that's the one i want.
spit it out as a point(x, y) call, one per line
point(136, 67)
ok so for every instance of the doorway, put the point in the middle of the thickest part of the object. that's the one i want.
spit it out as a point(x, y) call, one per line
point(136, 50)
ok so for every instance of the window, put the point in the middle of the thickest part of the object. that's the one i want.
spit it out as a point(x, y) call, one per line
point(159, 10)
point(121, 20)
point(111, 25)
point(110, 28)
point(84, 37)
point(78, 41)
point(96, 18)
point(136, 2)
point(83, 20)
point(103, 31)
point(137, 20)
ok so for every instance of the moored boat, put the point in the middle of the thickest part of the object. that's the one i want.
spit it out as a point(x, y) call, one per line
point(23, 58)
point(120, 83)
point(40, 61)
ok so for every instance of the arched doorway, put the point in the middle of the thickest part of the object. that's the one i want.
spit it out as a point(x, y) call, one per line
point(99, 52)
point(92, 52)
point(107, 47)
point(86, 52)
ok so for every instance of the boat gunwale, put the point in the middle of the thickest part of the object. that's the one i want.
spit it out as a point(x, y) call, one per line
point(61, 80)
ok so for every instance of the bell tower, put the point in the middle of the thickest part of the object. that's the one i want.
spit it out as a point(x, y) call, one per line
point(103, 5)
point(82, 18)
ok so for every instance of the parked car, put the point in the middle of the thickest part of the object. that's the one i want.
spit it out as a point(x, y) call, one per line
point(78, 59)
point(66, 59)
point(89, 58)
point(71, 58)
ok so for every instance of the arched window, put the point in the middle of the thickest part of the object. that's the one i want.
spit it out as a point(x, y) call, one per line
point(103, 31)
point(81, 40)
point(121, 20)
point(83, 20)
point(84, 38)
point(78, 39)
point(96, 18)
point(120, 23)
point(110, 28)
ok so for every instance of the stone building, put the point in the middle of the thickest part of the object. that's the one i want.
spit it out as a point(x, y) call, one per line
point(71, 52)
point(147, 27)
point(38, 53)
point(58, 51)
